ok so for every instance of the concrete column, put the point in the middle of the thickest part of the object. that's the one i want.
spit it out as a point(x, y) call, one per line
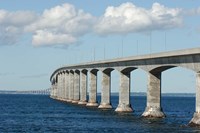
point(59, 87)
point(51, 91)
point(124, 93)
point(76, 86)
point(56, 90)
point(83, 88)
point(105, 92)
point(153, 108)
point(196, 117)
point(71, 87)
point(93, 89)
point(67, 86)
point(63, 86)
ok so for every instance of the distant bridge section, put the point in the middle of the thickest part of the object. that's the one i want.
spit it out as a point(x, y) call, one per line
point(37, 92)
point(69, 83)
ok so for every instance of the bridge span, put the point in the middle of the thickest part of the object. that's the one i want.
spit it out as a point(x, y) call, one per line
point(69, 83)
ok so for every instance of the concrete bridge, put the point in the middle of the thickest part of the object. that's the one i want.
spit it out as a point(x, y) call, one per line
point(69, 83)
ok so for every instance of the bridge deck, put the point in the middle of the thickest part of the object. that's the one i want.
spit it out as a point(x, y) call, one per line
point(160, 55)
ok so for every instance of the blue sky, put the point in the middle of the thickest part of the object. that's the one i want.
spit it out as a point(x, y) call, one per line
point(36, 37)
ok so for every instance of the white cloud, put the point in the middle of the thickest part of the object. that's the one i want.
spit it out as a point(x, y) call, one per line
point(129, 18)
point(64, 24)
point(9, 35)
point(61, 25)
point(12, 24)
point(18, 18)
point(45, 38)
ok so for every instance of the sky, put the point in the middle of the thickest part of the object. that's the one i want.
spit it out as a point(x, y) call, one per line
point(37, 37)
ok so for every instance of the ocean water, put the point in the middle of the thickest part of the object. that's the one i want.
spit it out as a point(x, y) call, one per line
point(41, 114)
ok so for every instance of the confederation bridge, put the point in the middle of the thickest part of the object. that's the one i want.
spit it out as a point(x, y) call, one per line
point(69, 83)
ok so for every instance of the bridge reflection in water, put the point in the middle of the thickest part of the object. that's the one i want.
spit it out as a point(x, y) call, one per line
point(69, 83)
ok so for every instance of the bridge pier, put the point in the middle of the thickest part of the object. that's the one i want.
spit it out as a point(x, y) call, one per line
point(59, 86)
point(68, 82)
point(124, 93)
point(153, 108)
point(76, 86)
point(196, 117)
point(71, 86)
point(105, 93)
point(55, 90)
point(83, 92)
point(63, 86)
point(66, 85)
point(93, 89)
point(52, 90)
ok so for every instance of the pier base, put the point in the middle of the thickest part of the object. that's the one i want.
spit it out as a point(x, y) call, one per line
point(53, 97)
point(69, 100)
point(105, 106)
point(82, 102)
point(64, 100)
point(195, 122)
point(91, 104)
point(59, 99)
point(153, 112)
point(75, 101)
point(124, 108)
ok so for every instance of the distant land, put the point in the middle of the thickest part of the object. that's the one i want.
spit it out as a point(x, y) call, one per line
point(39, 92)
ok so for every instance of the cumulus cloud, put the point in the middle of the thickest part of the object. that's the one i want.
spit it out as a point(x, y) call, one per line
point(9, 35)
point(12, 24)
point(45, 38)
point(128, 18)
point(60, 25)
point(18, 18)
point(64, 24)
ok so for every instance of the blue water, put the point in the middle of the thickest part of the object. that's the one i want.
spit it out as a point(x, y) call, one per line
point(39, 114)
